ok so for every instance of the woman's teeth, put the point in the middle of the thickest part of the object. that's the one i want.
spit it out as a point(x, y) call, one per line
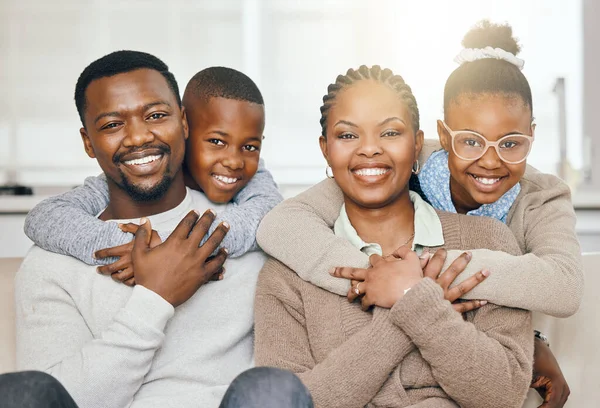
point(226, 180)
point(488, 181)
point(143, 160)
point(371, 172)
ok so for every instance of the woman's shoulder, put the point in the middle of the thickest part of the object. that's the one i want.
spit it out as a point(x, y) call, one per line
point(468, 232)
point(275, 278)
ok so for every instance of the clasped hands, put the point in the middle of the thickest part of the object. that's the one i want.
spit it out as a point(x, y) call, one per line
point(387, 280)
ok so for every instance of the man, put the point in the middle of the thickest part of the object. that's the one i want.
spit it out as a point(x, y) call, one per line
point(177, 338)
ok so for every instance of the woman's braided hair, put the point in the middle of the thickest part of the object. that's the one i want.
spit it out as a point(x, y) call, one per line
point(375, 73)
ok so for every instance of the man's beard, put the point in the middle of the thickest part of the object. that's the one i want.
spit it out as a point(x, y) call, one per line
point(146, 194)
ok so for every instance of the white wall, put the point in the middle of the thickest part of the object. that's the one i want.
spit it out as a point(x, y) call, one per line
point(293, 49)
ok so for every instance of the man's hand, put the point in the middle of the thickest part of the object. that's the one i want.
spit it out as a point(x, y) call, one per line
point(122, 269)
point(384, 283)
point(548, 379)
point(177, 268)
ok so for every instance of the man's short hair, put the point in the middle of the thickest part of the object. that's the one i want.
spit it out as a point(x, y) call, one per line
point(119, 62)
point(222, 82)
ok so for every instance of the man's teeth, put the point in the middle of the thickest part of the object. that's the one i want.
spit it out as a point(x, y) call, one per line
point(371, 172)
point(486, 180)
point(143, 160)
point(226, 180)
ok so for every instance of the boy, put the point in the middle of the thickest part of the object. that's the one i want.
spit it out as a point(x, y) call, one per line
point(225, 113)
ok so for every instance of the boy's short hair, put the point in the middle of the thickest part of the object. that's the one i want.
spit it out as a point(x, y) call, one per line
point(223, 82)
point(120, 62)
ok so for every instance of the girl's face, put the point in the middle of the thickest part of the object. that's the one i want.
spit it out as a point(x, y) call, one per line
point(485, 180)
point(370, 145)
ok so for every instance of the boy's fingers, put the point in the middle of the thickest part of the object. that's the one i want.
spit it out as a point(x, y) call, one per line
point(129, 227)
point(123, 276)
point(114, 267)
point(130, 282)
point(466, 286)
point(435, 264)
point(217, 276)
point(215, 239)
point(114, 251)
point(464, 307)
point(216, 262)
point(181, 232)
point(350, 273)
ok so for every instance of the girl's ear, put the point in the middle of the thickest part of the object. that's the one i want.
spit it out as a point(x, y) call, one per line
point(323, 145)
point(443, 135)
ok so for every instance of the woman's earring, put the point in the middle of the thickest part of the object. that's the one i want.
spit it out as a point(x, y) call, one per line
point(327, 172)
point(415, 167)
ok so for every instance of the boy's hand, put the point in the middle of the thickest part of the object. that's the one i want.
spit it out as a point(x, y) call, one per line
point(122, 269)
point(548, 379)
point(176, 269)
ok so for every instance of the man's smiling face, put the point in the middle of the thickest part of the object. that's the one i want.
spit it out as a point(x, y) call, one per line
point(136, 130)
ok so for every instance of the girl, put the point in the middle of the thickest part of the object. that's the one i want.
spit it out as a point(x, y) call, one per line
point(414, 349)
point(487, 103)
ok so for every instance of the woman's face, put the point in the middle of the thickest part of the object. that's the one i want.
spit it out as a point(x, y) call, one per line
point(484, 181)
point(370, 145)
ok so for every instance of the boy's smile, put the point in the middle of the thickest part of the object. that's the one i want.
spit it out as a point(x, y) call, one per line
point(223, 149)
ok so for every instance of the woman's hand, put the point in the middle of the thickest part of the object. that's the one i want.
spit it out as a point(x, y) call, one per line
point(386, 282)
point(432, 268)
point(548, 379)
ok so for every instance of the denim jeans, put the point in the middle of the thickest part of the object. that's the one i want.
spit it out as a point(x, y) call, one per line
point(33, 389)
point(262, 387)
point(266, 387)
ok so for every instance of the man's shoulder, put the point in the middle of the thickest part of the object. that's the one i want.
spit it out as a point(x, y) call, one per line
point(41, 265)
point(201, 203)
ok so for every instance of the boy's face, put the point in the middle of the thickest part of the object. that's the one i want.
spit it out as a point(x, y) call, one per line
point(223, 149)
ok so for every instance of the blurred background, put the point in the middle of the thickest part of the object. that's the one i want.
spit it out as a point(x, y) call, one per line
point(292, 50)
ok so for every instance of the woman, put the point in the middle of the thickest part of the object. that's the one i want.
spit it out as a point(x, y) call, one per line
point(489, 94)
point(413, 348)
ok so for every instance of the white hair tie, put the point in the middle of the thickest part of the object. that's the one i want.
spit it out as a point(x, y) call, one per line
point(474, 54)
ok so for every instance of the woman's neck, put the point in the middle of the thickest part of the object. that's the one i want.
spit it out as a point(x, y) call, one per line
point(390, 226)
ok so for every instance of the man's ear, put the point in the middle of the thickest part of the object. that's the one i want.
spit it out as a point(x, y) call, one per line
point(87, 143)
point(184, 122)
point(443, 135)
point(533, 129)
point(323, 145)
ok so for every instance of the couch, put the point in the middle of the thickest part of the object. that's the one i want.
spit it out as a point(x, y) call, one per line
point(573, 340)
